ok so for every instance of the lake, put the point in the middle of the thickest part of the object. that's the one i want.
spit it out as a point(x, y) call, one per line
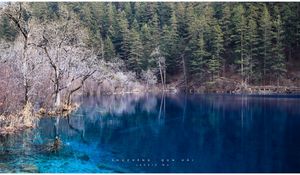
point(163, 133)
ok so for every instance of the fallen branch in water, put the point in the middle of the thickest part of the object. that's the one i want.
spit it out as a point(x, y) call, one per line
point(20, 121)
point(64, 110)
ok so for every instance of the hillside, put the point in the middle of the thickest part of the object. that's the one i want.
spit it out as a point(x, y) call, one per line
point(52, 52)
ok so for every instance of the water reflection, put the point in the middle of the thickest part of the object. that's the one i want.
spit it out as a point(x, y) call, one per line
point(220, 133)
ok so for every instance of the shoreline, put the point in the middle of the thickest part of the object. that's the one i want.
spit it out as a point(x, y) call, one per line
point(156, 90)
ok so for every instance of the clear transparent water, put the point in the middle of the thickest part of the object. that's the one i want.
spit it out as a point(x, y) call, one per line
point(171, 133)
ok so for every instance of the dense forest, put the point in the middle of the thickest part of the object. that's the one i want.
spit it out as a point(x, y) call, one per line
point(51, 50)
point(201, 41)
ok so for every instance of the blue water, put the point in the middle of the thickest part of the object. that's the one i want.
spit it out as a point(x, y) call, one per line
point(163, 133)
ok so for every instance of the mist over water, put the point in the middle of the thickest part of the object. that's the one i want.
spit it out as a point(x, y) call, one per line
point(164, 133)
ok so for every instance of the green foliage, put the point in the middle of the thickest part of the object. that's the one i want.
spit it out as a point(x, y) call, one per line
point(278, 66)
point(109, 50)
point(200, 55)
point(148, 46)
point(46, 10)
point(214, 63)
point(8, 32)
point(253, 40)
point(265, 31)
point(135, 59)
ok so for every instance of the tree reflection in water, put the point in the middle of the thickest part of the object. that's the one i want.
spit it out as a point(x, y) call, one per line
point(222, 133)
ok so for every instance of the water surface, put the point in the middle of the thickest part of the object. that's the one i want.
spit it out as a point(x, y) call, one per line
point(164, 133)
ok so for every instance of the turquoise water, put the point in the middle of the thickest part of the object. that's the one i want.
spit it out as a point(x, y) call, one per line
point(163, 133)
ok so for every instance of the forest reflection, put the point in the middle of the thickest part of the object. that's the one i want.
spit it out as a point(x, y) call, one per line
point(222, 133)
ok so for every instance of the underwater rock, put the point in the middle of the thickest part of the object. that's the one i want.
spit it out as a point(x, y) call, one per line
point(3, 167)
point(66, 163)
point(111, 169)
point(28, 168)
point(84, 157)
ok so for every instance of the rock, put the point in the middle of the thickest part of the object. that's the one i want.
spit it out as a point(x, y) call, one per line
point(111, 169)
point(28, 168)
point(84, 157)
point(4, 166)
point(42, 111)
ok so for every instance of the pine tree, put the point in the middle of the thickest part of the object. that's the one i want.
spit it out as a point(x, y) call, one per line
point(108, 19)
point(109, 51)
point(154, 29)
point(252, 40)
point(265, 41)
point(122, 37)
point(7, 31)
point(298, 28)
point(278, 63)
point(170, 45)
point(174, 31)
point(166, 42)
point(197, 45)
point(135, 60)
point(148, 45)
point(200, 56)
point(227, 31)
point(251, 61)
point(289, 20)
point(239, 23)
point(213, 67)
point(217, 48)
point(255, 40)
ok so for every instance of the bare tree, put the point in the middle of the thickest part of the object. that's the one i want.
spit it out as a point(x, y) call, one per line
point(149, 77)
point(161, 62)
point(71, 62)
point(21, 58)
point(18, 15)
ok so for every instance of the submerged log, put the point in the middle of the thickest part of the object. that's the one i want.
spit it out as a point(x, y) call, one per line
point(63, 110)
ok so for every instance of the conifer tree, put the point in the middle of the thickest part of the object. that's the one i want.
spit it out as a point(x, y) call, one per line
point(239, 23)
point(7, 31)
point(258, 38)
point(265, 42)
point(148, 45)
point(252, 42)
point(109, 51)
point(155, 30)
point(109, 18)
point(251, 37)
point(200, 56)
point(213, 67)
point(170, 45)
point(278, 63)
point(214, 63)
point(135, 59)
point(226, 26)
point(122, 37)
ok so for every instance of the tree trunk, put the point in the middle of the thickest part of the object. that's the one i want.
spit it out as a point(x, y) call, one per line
point(57, 99)
point(161, 75)
point(184, 107)
point(102, 48)
point(18, 22)
point(165, 77)
point(69, 98)
point(242, 58)
point(25, 77)
point(184, 71)
point(57, 90)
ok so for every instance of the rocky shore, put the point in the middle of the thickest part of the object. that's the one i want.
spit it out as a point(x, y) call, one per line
point(229, 86)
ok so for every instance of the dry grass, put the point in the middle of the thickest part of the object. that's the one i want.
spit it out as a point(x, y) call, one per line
point(27, 118)
point(17, 122)
point(64, 110)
